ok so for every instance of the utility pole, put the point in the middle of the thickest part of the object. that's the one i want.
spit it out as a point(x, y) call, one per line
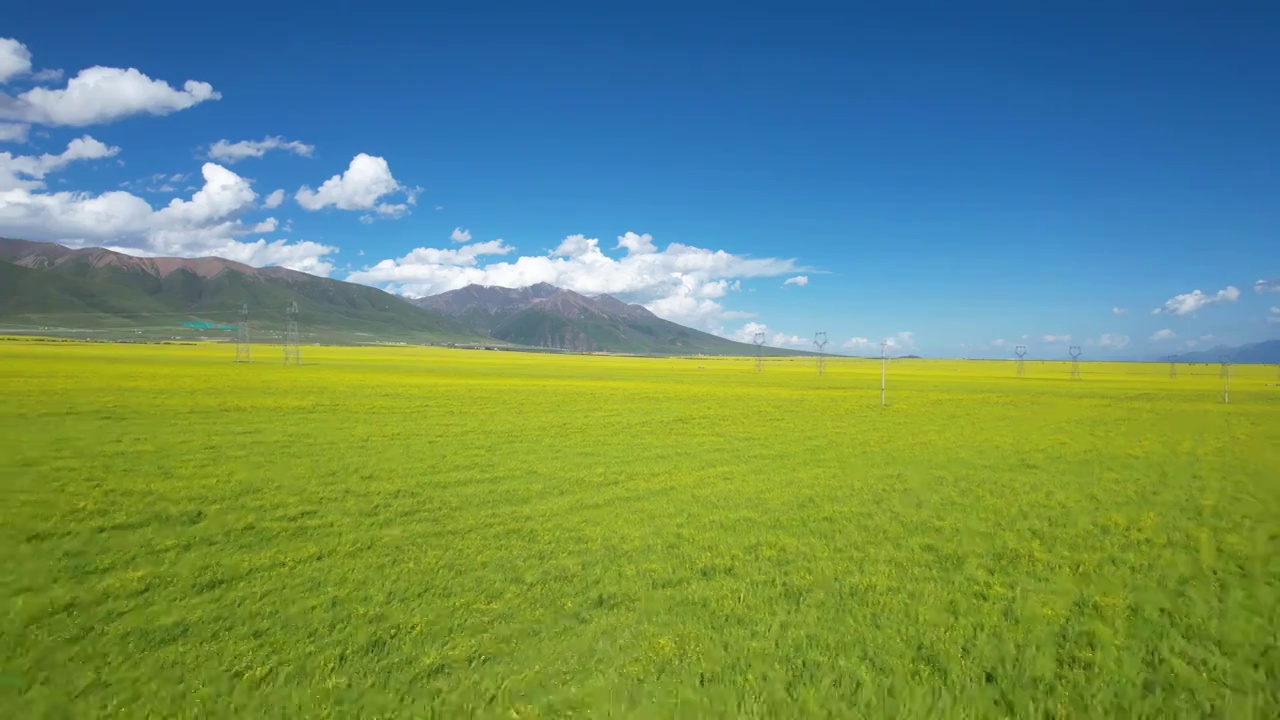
point(291, 351)
point(242, 335)
point(884, 359)
point(820, 342)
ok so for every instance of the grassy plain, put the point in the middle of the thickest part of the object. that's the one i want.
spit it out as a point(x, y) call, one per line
point(396, 532)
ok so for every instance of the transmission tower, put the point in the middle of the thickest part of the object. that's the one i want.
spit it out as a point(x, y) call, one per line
point(242, 335)
point(1225, 361)
point(1021, 352)
point(291, 352)
point(820, 342)
point(758, 339)
point(1226, 378)
point(884, 359)
point(1173, 366)
point(1075, 361)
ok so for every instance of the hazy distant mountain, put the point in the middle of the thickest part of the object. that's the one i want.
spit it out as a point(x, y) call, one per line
point(44, 285)
point(1266, 352)
point(544, 315)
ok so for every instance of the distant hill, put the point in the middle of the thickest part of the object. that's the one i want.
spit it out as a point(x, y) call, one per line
point(546, 316)
point(44, 285)
point(1266, 352)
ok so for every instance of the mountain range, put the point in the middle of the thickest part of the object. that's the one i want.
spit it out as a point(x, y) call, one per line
point(1266, 352)
point(546, 316)
point(48, 288)
point(51, 287)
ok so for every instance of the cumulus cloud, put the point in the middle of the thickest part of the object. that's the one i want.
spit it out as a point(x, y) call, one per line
point(1188, 303)
point(100, 95)
point(1163, 335)
point(999, 342)
point(13, 132)
point(232, 152)
point(785, 340)
point(206, 224)
point(637, 244)
point(459, 235)
point(1056, 338)
point(15, 59)
point(304, 255)
point(27, 172)
point(1118, 311)
point(1113, 341)
point(800, 280)
point(273, 200)
point(682, 283)
point(904, 340)
point(748, 332)
point(366, 181)
point(1267, 286)
point(1274, 318)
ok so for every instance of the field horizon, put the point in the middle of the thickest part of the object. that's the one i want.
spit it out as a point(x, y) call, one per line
point(410, 531)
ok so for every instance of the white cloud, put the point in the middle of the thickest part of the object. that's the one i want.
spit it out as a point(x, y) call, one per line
point(800, 280)
point(785, 340)
point(1056, 338)
point(229, 152)
point(391, 210)
point(273, 200)
point(904, 340)
point(1163, 335)
point(304, 255)
point(266, 226)
point(1113, 341)
point(1274, 318)
point(1118, 311)
point(1188, 303)
point(101, 95)
point(680, 283)
point(637, 244)
point(747, 333)
point(459, 235)
point(13, 132)
point(998, 342)
point(27, 172)
point(206, 224)
point(1267, 286)
point(693, 303)
point(366, 181)
point(15, 59)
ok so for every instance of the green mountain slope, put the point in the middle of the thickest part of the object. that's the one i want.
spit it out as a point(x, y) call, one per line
point(545, 316)
point(49, 287)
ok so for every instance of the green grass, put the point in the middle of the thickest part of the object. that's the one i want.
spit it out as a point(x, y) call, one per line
point(402, 532)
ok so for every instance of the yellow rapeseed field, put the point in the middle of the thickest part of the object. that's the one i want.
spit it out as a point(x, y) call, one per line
point(413, 532)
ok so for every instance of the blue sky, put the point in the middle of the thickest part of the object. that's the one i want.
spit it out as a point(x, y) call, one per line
point(945, 179)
